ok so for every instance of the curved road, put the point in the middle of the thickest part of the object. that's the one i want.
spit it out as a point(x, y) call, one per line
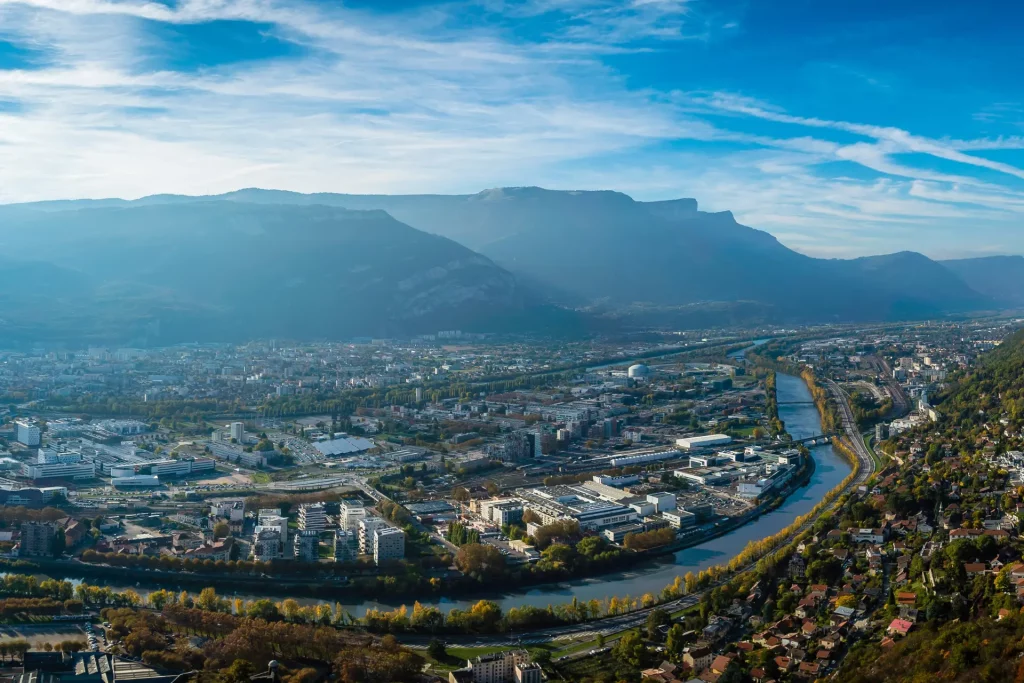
point(610, 625)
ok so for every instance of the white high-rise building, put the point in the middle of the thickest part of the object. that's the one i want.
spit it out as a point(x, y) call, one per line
point(351, 512)
point(266, 545)
point(388, 545)
point(500, 667)
point(367, 526)
point(28, 433)
point(238, 431)
point(312, 517)
point(272, 518)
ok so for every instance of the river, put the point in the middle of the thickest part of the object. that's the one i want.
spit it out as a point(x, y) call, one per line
point(802, 420)
point(800, 416)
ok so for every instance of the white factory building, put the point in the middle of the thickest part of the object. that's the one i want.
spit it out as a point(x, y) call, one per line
point(707, 441)
point(28, 433)
point(641, 457)
point(586, 506)
point(59, 470)
point(663, 502)
point(680, 519)
point(137, 481)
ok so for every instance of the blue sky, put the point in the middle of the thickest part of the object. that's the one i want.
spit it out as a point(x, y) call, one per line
point(844, 128)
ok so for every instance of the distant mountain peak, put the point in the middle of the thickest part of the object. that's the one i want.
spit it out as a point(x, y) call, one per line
point(535, 192)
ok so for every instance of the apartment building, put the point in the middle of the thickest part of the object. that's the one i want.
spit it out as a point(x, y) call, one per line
point(312, 517)
point(388, 545)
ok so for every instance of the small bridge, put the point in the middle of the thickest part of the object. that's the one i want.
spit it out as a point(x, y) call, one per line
point(821, 438)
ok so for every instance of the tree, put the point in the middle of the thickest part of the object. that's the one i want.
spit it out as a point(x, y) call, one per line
point(592, 546)
point(482, 560)
point(631, 650)
point(291, 609)
point(1002, 582)
point(559, 555)
point(847, 601)
point(239, 672)
point(437, 650)
point(59, 543)
point(531, 517)
point(263, 609)
point(208, 600)
point(733, 673)
point(221, 530)
point(564, 531)
point(674, 643)
point(655, 620)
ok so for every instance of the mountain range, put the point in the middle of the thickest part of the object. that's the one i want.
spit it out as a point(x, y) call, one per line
point(264, 263)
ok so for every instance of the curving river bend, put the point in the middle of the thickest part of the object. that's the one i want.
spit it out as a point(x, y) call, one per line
point(798, 412)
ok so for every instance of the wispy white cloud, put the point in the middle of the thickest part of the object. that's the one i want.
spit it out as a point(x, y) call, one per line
point(895, 140)
point(612, 21)
point(425, 103)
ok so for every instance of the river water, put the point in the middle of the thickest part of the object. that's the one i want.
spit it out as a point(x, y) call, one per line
point(801, 418)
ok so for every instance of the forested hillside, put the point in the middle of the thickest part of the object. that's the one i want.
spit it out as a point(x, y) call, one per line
point(966, 580)
point(993, 389)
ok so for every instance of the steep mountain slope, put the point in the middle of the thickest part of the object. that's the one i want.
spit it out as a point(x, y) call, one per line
point(998, 277)
point(665, 261)
point(919, 277)
point(230, 270)
point(605, 246)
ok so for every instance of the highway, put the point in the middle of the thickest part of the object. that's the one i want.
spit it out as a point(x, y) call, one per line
point(611, 625)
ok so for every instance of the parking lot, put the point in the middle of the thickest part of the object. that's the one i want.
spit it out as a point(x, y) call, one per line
point(40, 634)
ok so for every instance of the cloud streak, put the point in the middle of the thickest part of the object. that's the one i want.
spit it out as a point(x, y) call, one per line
point(426, 102)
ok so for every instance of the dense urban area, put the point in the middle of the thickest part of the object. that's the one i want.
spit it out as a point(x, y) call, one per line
point(477, 508)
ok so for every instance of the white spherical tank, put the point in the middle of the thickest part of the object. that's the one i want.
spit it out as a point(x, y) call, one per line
point(638, 371)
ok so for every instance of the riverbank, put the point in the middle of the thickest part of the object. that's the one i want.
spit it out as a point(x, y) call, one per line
point(284, 587)
point(649, 575)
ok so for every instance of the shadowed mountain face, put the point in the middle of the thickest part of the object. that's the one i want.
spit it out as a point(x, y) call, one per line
point(271, 263)
point(229, 270)
point(604, 246)
point(998, 277)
